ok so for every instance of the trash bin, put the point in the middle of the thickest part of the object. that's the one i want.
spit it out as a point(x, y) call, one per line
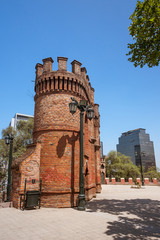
point(32, 199)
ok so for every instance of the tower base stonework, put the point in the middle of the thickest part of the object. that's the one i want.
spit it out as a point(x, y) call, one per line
point(55, 156)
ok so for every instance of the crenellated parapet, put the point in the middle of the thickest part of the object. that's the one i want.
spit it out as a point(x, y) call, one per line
point(62, 81)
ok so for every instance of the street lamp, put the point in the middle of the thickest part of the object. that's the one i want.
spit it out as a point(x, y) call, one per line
point(9, 140)
point(109, 168)
point(139, 155)
point(82, 106)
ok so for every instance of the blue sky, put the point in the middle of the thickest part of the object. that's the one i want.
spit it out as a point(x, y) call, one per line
point(92, 32)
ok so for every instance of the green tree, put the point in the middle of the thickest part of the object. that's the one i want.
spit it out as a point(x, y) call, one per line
point(145, 30)
point(120, 166)
point(151, 173)
point(2, 167)
point(22, 136)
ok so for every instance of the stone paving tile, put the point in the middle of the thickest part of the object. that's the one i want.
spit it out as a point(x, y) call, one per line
point(119, 212)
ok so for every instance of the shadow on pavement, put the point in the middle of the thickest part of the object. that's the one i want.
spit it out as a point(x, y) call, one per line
point(144, 224)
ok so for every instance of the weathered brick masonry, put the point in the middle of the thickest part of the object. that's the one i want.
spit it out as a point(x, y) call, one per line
point(55, 152)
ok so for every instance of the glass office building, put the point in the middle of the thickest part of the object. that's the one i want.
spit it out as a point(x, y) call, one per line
point(136, 144)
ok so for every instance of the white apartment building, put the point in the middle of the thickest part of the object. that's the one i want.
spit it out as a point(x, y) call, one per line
point(18, 117)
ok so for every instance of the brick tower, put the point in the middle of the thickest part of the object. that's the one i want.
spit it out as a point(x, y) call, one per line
point(56, 137)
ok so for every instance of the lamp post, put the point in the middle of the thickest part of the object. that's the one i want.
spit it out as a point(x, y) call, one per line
point(109, 168)
point(140, 154)
point(9, 141)
point(82, 106)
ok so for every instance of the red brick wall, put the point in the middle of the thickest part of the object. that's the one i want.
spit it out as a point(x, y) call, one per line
point(26, 167)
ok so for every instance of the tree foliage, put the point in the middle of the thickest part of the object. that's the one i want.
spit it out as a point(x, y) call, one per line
point(151, 173)
point(120, 166)
point(21, 137)
point(145, 30)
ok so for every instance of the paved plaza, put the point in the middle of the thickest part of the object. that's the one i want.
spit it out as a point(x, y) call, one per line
point(119, 212)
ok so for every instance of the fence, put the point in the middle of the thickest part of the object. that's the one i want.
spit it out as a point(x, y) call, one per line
point(131, 182)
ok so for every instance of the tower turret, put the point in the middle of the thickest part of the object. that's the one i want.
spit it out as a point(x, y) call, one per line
point(56, 131)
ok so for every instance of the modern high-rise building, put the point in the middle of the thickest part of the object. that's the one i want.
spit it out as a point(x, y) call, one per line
point(137, 145)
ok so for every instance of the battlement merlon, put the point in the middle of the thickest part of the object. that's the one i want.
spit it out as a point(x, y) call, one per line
point(47, 64)
point(39, 69)
point(91, 93)
point(83, 72)
point(62, 63)
point(96, 121)
point(96, 110)
point(76, 67)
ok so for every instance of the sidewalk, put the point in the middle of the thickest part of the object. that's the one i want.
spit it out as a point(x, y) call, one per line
point(119, 212)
